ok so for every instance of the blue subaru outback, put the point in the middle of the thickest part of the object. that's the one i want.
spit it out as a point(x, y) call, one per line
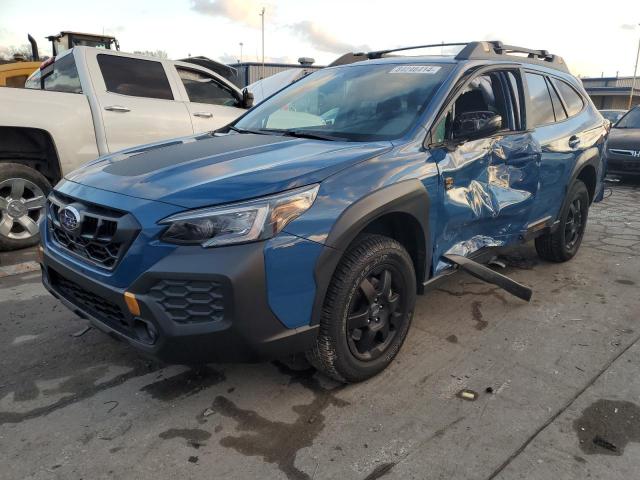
point(310, 223)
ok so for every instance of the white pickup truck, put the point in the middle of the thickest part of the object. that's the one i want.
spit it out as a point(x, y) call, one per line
point(90, 102)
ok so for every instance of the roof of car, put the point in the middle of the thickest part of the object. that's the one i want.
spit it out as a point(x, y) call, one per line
point(495, 51)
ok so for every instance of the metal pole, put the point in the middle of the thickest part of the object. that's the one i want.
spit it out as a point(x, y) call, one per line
point(262, 15)
point(241, 44)
point(635, 72)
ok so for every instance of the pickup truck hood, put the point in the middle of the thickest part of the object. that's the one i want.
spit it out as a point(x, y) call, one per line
point(211, 169)
point(624, 138)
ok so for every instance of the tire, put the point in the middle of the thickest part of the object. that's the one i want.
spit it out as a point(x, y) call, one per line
point(563, 244)
point(23, 193)
point(369, 302)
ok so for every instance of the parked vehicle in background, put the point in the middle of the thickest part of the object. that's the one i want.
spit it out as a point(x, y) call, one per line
point(90, 102)
point(285, 233)
point(612, 115)
point(266, 87)
point(623, 145)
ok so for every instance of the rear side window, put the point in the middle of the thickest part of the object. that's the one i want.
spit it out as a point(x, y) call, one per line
point(572, 99)
point(202, 88)
point(558, 109)
point(541, 109)
point(60, 76)
point(135, 77)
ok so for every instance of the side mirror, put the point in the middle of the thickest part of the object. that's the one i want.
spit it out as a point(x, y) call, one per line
point(472, 125)
point(247, 99)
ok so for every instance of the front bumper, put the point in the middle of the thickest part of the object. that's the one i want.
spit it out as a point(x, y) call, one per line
point(242, 328)
point(622, 165)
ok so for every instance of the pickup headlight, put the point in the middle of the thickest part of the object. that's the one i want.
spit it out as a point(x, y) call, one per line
point(241, 222)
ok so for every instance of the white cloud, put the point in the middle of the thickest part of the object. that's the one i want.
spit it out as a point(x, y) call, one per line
point(242, 11)
point(323, 40)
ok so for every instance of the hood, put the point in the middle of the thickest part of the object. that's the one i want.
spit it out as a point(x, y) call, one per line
point(624, 138)
point(209, 169)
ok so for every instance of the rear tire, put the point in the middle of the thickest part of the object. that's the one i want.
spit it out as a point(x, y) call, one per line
point(563, 244)
point(367, 310)
point(23, 193)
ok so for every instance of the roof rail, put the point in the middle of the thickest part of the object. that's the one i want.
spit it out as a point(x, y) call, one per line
point(484, 50)
point(382, 53)
point(496, 49)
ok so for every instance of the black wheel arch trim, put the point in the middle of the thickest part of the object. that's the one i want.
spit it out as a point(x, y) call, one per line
point(582, 163)
point(406, 197)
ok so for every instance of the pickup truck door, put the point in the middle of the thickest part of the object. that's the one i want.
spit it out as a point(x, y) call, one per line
point(489, 184)
point(211, 102)
point(136, 100)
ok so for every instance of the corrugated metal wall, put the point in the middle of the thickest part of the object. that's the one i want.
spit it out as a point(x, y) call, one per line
point(252, 72)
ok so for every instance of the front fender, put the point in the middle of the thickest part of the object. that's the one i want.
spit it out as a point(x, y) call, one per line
point(408, 197)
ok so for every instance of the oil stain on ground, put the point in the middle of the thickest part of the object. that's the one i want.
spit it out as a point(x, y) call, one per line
point(78, 387)
point(481, 323)
point(607, 426)
point(278, 442)
point(184, 384)
point(195, 437)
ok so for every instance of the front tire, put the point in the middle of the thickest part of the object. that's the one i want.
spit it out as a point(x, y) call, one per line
point(367, 310)
point(23, 193)
point(563, 244)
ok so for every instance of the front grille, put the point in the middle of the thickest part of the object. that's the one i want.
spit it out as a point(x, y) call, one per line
point(190, 301)
point(101, 235)
point(97, 306)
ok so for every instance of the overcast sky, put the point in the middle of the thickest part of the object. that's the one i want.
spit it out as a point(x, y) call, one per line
point(592, 38)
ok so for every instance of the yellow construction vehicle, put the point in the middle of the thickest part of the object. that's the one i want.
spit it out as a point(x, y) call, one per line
point(14, 74)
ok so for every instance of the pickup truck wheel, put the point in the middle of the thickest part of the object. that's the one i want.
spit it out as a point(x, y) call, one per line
point(367, 310)
point(23, 194)
point(563, 244)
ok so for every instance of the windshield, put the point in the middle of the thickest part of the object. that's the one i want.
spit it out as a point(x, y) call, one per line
point(630, 120)
point(359, 102)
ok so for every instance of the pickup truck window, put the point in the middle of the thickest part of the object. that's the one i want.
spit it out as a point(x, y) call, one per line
point(60, 76)
point(202, 88)
point(135, 77)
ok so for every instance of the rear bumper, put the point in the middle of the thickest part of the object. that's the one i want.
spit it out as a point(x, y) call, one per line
point(241, 326)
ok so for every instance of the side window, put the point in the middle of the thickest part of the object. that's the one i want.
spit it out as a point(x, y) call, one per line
point(541, 109)
point(202, 88)
point(572, 99)
point(60, 76)
point(135, 77)
point(558, 109)
point(487, 104)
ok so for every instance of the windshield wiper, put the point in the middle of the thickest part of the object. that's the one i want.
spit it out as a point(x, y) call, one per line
point(241, 130)
point(307, 134)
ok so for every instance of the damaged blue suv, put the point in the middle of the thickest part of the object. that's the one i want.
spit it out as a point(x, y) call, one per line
point(310, 223)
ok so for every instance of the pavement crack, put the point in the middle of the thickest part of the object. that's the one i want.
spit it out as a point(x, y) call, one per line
point(564, 408)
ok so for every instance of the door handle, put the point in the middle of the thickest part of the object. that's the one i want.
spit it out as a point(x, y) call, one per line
point(117, 108)
point(574, 141)
point(203, 114)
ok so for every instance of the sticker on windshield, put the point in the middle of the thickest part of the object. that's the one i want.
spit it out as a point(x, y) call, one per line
point(428, 69)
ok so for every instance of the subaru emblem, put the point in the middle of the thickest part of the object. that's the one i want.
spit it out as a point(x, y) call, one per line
point(69, 218)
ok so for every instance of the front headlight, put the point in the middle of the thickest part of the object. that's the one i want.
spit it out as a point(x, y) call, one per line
point(241, 222)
